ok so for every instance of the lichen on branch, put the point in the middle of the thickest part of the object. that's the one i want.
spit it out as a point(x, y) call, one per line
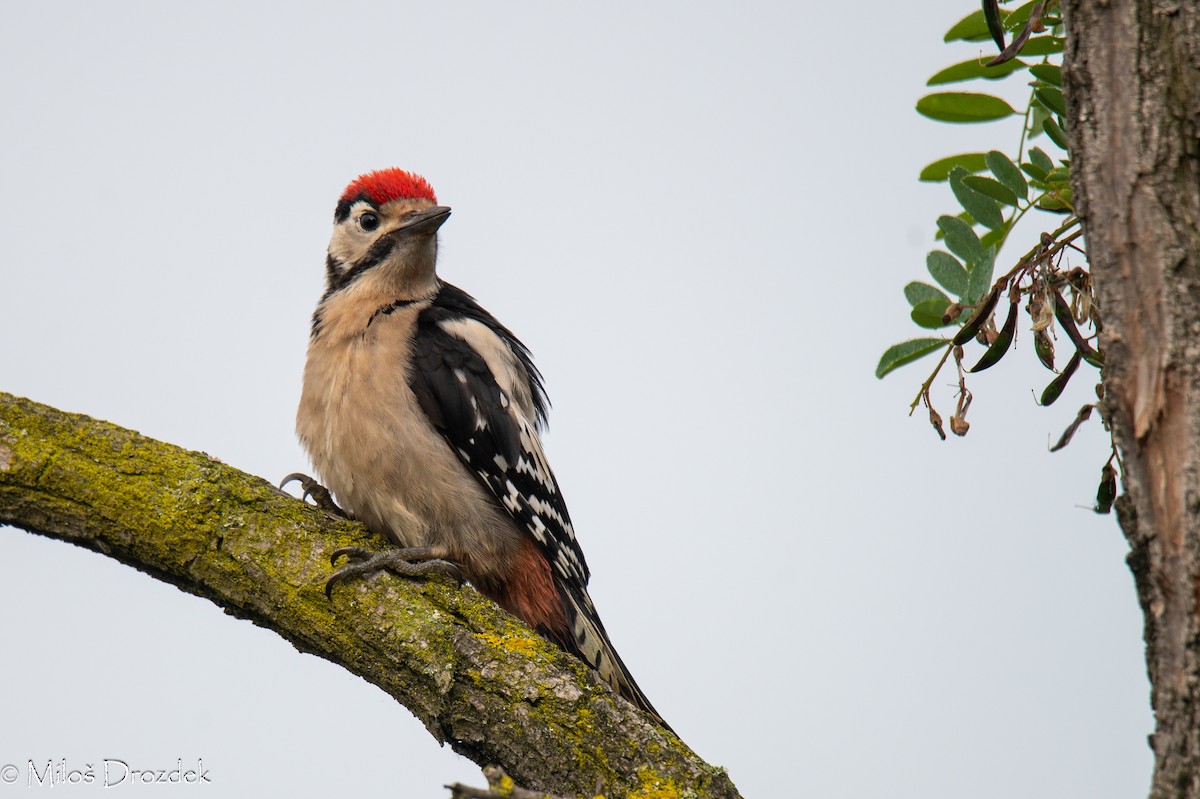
point(477, 678)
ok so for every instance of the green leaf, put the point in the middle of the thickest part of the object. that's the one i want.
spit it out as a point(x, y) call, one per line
point(970, 70)
point(940, 170)
point(1047, 73)
point(960, 239)
point(971, 28)
point(984, 209)
point(917, 293)
point(1055, 133)
point(929, 313)
point(961, 107)
point(1007, 173)
point(992, 188)
point(906, 352)
point(1037, 173)
point(993, 238)
point(947, 270)
point(1058, 177)
point(1052, 98)
point(1054, 204)
point(979, 279)
point(1040, 159)
point(1043, 45)
point(966, 219)
point(1019, 16)
point(1037, 115)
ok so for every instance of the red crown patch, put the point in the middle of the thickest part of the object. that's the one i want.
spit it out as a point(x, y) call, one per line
point(385, 185)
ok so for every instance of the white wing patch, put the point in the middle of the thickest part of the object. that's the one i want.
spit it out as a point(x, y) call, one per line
point(501, 362)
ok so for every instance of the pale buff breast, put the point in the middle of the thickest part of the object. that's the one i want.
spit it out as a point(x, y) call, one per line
point(372, 446)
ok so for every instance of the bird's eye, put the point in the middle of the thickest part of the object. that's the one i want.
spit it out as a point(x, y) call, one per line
point(368, 221)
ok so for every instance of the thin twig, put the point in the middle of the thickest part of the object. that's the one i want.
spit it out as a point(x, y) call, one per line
point(924, 392)
point(500, 786)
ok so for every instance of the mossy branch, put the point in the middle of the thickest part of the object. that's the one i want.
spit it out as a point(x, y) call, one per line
point(475, 676)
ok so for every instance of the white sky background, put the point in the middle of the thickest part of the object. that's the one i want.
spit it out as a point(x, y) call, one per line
point(700, 218)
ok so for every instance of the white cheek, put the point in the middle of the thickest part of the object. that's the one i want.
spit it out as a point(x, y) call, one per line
point(349, 244)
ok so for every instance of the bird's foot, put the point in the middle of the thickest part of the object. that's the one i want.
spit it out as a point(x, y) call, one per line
point(320, 494)
point(407, 562)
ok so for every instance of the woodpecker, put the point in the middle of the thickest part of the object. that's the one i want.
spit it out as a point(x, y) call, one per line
point(421, 413)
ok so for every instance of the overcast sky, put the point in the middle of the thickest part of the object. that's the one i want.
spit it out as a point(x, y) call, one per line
point(700, 217)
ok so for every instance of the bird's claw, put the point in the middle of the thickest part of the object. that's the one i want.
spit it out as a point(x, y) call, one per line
point(318, 493)
point(353, 553)
point(410, 562)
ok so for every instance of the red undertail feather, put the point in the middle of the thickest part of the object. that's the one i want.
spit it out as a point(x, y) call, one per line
point(532, 596)
point(385, 185)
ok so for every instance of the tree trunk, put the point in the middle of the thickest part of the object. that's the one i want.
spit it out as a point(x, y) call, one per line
point(1132, 80)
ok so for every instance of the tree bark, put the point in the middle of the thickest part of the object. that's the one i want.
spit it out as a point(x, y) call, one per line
point(1132, 81)
point(475, 676)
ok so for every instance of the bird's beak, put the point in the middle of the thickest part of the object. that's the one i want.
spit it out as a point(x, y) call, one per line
point(423, 223)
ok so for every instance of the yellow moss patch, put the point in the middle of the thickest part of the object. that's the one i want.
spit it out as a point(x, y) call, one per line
point(522, 645)
point(652, 785)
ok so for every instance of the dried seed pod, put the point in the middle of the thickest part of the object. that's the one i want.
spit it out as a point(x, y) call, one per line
point(959, 426)
point(1093, 357)
point(935, 419)
point(1041, 310)
point(982, 312)
point(988, 335)
point(1003, 340)
point(952, 312)
point(1055, 389)
point(995, 25)
point(1084, 414)
point(1106, 494)
point(1043, 345)
point(1062, 312)
point(1084, 310)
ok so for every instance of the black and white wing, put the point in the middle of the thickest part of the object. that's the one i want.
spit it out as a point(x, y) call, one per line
point(477, 384)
